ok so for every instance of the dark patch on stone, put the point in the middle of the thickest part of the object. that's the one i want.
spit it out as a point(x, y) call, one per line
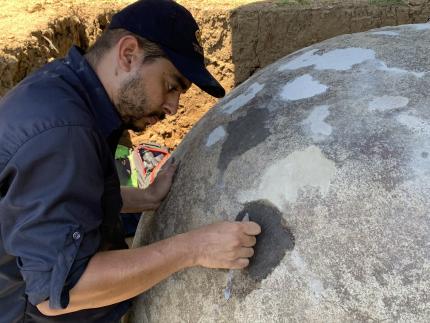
point(243, 134)
point(424, 154)
point(273, 241)
point(321, 52)
point(340, 288)
point(378, 273)
point(381, 146)
point(244, 284)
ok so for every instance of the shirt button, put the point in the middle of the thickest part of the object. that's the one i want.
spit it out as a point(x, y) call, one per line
point(76, 235)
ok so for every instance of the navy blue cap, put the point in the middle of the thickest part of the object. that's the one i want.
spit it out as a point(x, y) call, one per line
point(174, 29)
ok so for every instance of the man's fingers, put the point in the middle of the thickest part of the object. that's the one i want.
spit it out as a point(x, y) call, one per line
point(240, 263)
point(246, 253)
point(168, 169)
point(251, 228)
point(248, 241)
point(154, 206)
point(171, 169)
point(226, 244)
point(170, 162)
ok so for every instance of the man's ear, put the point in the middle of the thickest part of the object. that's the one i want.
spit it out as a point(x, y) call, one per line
point(129, 54)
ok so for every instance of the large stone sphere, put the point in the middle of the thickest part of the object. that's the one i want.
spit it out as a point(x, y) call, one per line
point(329, 150)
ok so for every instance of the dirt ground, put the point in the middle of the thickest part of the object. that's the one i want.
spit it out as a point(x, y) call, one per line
point(239, 37)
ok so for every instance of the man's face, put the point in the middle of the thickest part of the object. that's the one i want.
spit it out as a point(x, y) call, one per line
point(152, 91)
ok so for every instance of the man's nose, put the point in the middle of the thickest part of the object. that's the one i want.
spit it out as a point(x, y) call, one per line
point(171, 107)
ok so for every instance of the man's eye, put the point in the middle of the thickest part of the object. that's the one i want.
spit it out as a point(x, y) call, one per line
point(172, 88)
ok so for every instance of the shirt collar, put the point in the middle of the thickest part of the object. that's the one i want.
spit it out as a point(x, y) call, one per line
point(101, 106)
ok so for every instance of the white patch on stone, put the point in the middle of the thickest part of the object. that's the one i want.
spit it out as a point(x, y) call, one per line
point(304, 60)
point(386, 102)
point(216, 135)
point(338, 59)
point(316, 287)
point(315, 123)
point(425, 26)
point(386, 33)
point(415, 124)
point(297, 261)
point(244, 98)
point(383, 67)
point(314, 284)
point(419, 163)
point(283, 180)
point(301, 88)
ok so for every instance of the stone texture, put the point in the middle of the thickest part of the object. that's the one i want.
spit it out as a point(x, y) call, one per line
point(348, 171)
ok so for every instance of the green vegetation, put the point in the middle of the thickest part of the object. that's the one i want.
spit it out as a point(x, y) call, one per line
point(386, 2)
point(371, 2)
point(294, 1)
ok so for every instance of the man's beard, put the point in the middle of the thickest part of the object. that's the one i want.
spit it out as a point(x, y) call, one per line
point(132, 104)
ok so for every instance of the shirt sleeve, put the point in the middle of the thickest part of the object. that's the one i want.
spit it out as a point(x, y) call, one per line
point(51, 212)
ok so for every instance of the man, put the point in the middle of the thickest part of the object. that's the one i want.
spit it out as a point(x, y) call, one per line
point(62, 252)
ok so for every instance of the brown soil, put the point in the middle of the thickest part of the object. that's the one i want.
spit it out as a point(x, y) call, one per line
point(239, 37)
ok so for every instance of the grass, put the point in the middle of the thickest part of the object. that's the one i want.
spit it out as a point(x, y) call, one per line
point(237, 3)
point(294, 1)
point(371, 2)
point(386, 2)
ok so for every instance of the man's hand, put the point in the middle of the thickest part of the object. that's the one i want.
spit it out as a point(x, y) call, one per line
point(117, 275)
point(158, 190)
point(224, 245)
point(138, 200)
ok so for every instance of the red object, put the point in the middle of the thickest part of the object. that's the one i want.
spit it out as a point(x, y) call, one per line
point(156, 151)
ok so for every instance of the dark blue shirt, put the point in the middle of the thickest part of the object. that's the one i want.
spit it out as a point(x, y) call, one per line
point(59, 190)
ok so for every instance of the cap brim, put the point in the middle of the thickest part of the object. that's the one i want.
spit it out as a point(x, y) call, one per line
point(196, 73)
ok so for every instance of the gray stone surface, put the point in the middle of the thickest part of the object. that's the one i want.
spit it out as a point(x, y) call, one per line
point(332, 143)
